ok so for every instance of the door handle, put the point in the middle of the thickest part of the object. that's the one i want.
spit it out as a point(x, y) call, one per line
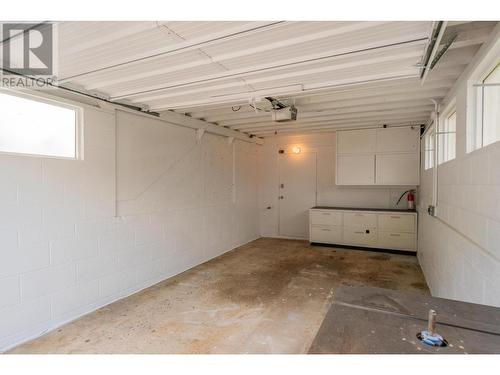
point(281, 197)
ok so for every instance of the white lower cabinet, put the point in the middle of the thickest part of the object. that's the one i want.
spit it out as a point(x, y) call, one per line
point(326, 234)
point(360, 236)
point(393, 240)
point(393, 230)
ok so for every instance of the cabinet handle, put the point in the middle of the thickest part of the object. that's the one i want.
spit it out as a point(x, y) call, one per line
point(326, 230)
point(359, 232)
point(395, 217)
point(395, 235)
point(325, 213)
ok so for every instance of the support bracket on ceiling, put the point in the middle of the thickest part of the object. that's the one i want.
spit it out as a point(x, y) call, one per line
point(199, 134)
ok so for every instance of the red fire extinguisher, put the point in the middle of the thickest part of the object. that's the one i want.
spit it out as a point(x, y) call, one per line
point(410, 198)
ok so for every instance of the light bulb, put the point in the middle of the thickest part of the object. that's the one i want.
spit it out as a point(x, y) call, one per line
point(296, 150)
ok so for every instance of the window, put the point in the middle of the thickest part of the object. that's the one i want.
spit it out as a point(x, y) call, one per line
point(491, 107)
point(485, 124)
point(37, 127)
point(447, 136)
point(429, 143)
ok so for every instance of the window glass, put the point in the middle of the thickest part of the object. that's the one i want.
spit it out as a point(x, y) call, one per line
point(34, 127)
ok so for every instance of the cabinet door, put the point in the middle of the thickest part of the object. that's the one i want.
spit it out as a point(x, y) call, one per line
point(395, 240)
point(326, 234)
point(356, 141)
point(397, 169)
point(355, 169)
point(396, 223)
point(398, 139)
point(360, 220)
point(326, 217)
point(359, 236)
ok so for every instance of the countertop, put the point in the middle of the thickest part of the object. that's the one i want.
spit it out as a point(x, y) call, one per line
point(364, 209)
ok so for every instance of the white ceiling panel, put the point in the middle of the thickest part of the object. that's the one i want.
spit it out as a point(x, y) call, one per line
point(338, 74)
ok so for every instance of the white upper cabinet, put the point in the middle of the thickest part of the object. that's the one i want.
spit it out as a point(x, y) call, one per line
point(389, 156)
point(355, 169)
point(357, 142)
point(398, 139)
point(397, 169)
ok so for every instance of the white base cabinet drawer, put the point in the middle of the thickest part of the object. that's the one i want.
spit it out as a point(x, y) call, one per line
point(326, 218)
point(360, 236)
point(326, 234)
point(358, 219)
point(396, 223)
point(369, 228)
point(391, 240)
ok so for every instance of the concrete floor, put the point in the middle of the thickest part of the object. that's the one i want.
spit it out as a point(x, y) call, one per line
point(269, 296)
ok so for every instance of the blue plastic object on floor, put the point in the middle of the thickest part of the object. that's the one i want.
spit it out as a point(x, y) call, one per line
point(431, 339)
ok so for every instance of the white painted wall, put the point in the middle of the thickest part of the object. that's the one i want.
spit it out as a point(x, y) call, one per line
point(64, 254)
point(328, 194)
point(459, 251)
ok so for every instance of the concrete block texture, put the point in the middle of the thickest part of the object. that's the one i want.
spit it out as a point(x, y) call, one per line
point(146, 202)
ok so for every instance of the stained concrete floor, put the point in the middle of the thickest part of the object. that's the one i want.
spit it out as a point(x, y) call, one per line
point(268, 296)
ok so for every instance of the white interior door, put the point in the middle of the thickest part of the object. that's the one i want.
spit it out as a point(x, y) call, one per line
point(297, 193)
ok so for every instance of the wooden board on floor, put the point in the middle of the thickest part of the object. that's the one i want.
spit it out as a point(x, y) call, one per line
point(367, 320)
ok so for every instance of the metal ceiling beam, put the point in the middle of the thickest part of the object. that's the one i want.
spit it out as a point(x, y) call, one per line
point(157, 101)
point(334, 113)
point(106, 82)
point(196, 43)
point(243, 98)
point(403, 86)
point(182, 120)
point(415, 120)
point(386, 45)
point(395, 100)
point(435, 47)
point(366, 115)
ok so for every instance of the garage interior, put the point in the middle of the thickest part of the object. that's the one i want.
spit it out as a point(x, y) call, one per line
point(253, 187)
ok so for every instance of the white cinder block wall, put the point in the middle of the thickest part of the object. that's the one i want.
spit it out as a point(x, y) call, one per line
point(328, 194)
point(64, 253)
point(459, 251)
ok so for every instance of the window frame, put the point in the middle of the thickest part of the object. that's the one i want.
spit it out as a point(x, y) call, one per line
point(58, 103)
point(430, 147)
point(442, 134)
point(474, 115)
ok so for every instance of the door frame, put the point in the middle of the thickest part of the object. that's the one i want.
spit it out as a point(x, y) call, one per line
point(286, 150)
